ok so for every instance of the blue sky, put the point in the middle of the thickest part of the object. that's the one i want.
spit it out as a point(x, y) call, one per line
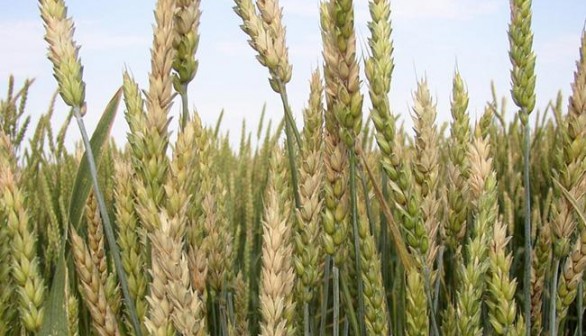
point(430, 36)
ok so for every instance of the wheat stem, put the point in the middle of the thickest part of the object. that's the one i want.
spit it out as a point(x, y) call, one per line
point(354, 207)
point(553, 296)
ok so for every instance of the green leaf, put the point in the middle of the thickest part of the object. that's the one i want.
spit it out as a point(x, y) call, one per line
point(55, 321)
point(83, 179)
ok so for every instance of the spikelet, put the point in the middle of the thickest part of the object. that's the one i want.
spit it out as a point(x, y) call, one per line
point(573, 180)
point(267, 37)
point(173, 304)
point(522, 58)
point(129, 239)
point(456, 187)
point(103, 319)
point(307, 244)
point(340, 56)
point(378, 72)
point(335, 220)
point(187, 17)
point(158, 321)
point(151, 165)
point(241, 299)
point(217, 245)
point(187, 307)
point(113, 293)
point(72, 306)
point(96, 237)
point(577, 103)
point(26, 274)
point(63, 52)
point(336, 198)
point(426, 166)
point(375, 306)
point(416, 305)
point(378, 68)
point(187, 311)
point(211, 234)
point(502, 311)
point(449, 321)
point(179, 186)
point(277, 275)
point(6, 283)
point(198, 269)
point(541, 264)
point(135, 117)
point(482, 181)
point(53, 230)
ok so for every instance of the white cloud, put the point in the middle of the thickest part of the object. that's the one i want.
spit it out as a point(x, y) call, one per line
point(435, 9)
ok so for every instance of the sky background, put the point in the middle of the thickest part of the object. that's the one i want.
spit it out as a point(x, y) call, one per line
point(431, 38)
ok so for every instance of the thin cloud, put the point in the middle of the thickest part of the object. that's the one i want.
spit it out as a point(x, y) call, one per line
point(96, 41)
point(560, 49)
point(436, 9)
point(444, 9)
point(23, 49)
point(233, 47)
point(93, 36)
point(302, 8)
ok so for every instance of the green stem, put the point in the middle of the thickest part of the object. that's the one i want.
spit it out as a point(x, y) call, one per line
point(553, 297)
point(398, 243)
point(306, 319)
point(184, 107)
point(527, 232)
point(325, 296)
point(353, 194)
point(580, 307)
point(290, 128)
point(336, 320)
point(292, 166)
point(427, 282)
point(106, 223)
point(440, 266)
point(370, 215)
point(351, 314)
point(211, 303)
point(288, 114)
point(223, 318)
point(231, 315)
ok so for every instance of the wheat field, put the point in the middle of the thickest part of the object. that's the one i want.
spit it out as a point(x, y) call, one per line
point(348, 225)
